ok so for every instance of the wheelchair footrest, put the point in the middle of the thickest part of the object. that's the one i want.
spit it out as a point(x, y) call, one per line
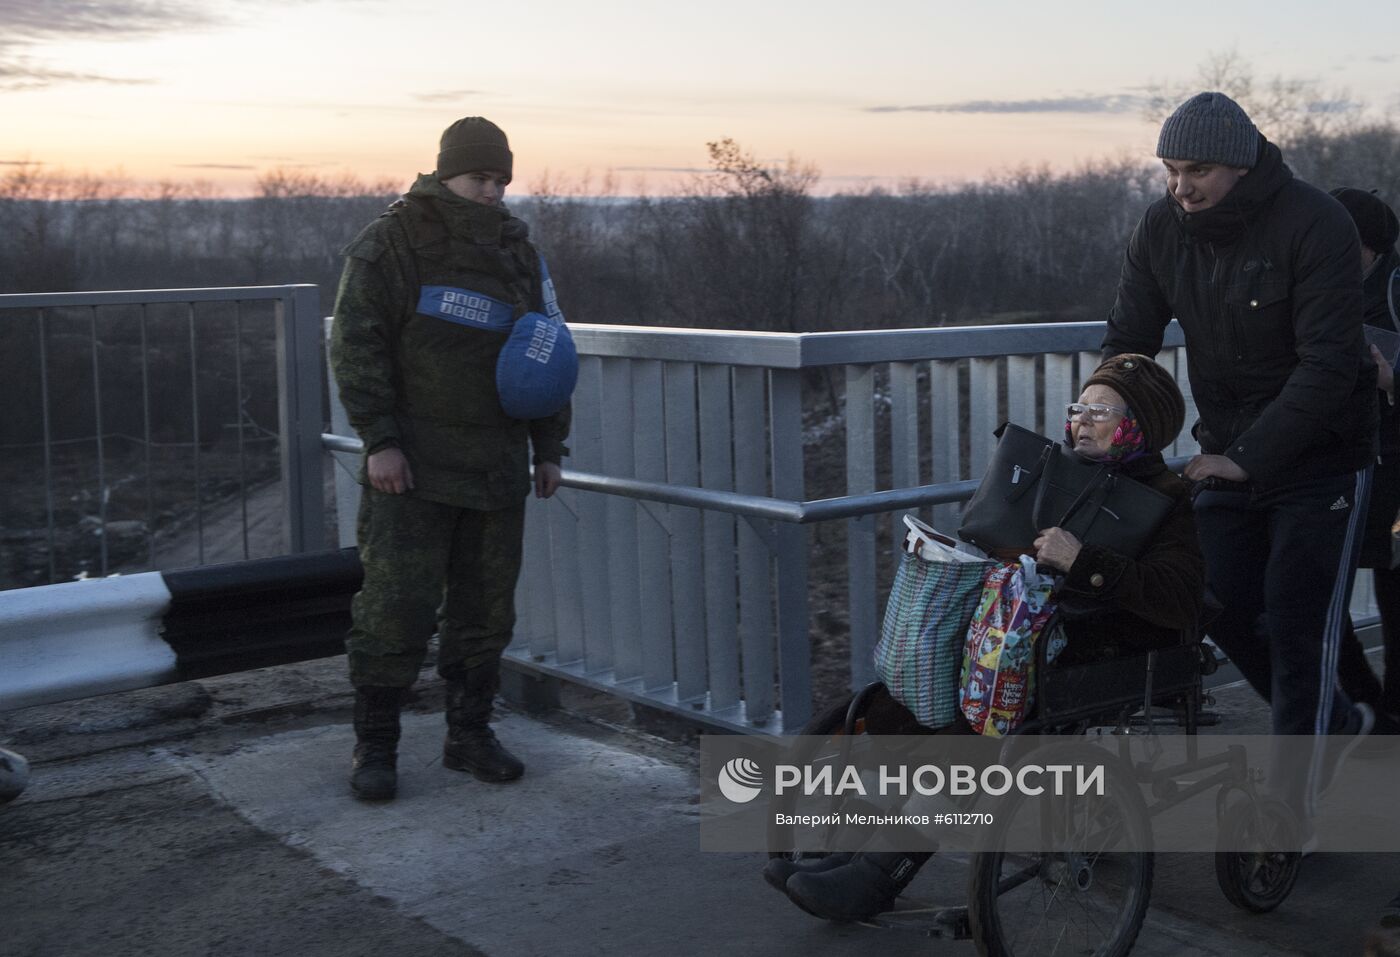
point(940, 923)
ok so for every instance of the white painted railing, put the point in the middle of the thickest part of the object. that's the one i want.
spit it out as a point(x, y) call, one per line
point(673, 568)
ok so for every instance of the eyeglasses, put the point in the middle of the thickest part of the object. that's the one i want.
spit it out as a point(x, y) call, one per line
point(1096, 411)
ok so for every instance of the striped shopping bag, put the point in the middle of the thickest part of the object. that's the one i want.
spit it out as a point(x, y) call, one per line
point(919, 655)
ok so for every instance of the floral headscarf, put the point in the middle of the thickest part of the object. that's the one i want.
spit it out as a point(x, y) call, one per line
point(1128, 441)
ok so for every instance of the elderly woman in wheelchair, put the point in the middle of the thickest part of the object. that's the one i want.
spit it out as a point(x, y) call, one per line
point(1111, 605)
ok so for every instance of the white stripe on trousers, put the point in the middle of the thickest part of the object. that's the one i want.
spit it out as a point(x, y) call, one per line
point(1337, 612)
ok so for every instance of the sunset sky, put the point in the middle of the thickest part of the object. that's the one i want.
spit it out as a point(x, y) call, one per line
point(876, 91)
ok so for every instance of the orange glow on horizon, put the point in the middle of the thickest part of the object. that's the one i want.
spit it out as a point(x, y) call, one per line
point(900, 91)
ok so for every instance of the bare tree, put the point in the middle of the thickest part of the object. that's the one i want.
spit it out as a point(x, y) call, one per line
point(1284, 108)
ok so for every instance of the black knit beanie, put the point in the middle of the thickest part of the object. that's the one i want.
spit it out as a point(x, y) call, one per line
point(1375, 221)
point(1151, 393)
point(470, 145)
point(1210, 128)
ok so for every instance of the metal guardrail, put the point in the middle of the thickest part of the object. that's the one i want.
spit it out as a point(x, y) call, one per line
point(673, 568)
point(60, 326)
point(749, 506)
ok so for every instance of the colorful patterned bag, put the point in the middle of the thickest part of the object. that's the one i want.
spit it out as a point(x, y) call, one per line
point(919, 654)
point(999, 655)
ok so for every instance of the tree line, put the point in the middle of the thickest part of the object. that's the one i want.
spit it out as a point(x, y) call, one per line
point(746, 247)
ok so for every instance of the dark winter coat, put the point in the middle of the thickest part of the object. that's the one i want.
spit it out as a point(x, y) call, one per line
point(426, 384)
point(1376, 292)
point(1385, 486)
point(1267, 287)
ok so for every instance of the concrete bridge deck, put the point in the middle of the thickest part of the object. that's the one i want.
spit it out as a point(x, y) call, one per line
point(213, 818)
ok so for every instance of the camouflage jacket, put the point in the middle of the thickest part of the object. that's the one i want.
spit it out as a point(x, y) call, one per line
point(426, 384)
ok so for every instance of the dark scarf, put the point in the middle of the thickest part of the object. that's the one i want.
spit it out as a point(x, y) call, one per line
point(464, 218)
point(1228, 219)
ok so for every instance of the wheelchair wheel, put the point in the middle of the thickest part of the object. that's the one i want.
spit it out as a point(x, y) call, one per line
point(1085, 888)
point(1254, 870)
point(829, 723)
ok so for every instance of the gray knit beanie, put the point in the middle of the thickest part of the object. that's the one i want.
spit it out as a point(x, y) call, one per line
point(1210, 128)
point(473, 144)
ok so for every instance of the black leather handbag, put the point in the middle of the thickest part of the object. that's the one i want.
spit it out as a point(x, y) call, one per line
point(1033, 482)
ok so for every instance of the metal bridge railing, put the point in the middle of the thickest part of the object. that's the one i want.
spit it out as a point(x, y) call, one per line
point(132, 411)
point(730, 497)
point(673, 567)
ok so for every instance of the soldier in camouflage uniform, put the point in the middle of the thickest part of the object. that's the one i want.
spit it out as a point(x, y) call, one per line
point(429, 293)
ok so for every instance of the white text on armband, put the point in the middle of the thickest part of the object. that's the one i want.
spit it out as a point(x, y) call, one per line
point(542, 342)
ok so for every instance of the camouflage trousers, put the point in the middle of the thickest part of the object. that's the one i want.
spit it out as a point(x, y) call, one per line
point(431, 567)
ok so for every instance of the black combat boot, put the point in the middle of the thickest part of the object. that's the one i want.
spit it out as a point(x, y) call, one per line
point(471, 744)
point(779, 869)
point(859, 890)
point(374, 776)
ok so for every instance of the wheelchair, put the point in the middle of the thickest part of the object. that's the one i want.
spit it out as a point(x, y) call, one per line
point(1084, 897)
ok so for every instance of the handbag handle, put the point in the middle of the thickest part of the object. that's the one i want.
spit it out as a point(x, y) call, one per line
point(1040, 490)
point(1095, 493)
point(1096, 489)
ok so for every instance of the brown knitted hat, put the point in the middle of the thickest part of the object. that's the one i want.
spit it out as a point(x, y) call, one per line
point(1151, 393)
point(473, 144)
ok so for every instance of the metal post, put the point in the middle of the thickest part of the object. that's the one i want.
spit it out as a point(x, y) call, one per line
point(1088, 362)
point(794, 623)
point(1059, 390)
point(1020, 391)
point(755, 566)
point(563, 512)
point(238, 419)
point(146, 436)
point(982, 414)
point(194, 434)
point(594, 553)
point(686, 558)
point(48, 446)
point(717, 474)
point(945, 428)
point(653, 527)
point(346, 464)
point(624, 593)
point(101, 443)
point(860, 531)
point(300, 419)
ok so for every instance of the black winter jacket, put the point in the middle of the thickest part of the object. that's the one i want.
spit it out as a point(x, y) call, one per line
point(1376, 545)
point(1376, 290)
point(1267, 287)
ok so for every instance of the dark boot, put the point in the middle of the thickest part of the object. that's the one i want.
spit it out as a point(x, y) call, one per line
point(779, 869)
point(374, 776)
point(471, 744)
point(859, 890)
